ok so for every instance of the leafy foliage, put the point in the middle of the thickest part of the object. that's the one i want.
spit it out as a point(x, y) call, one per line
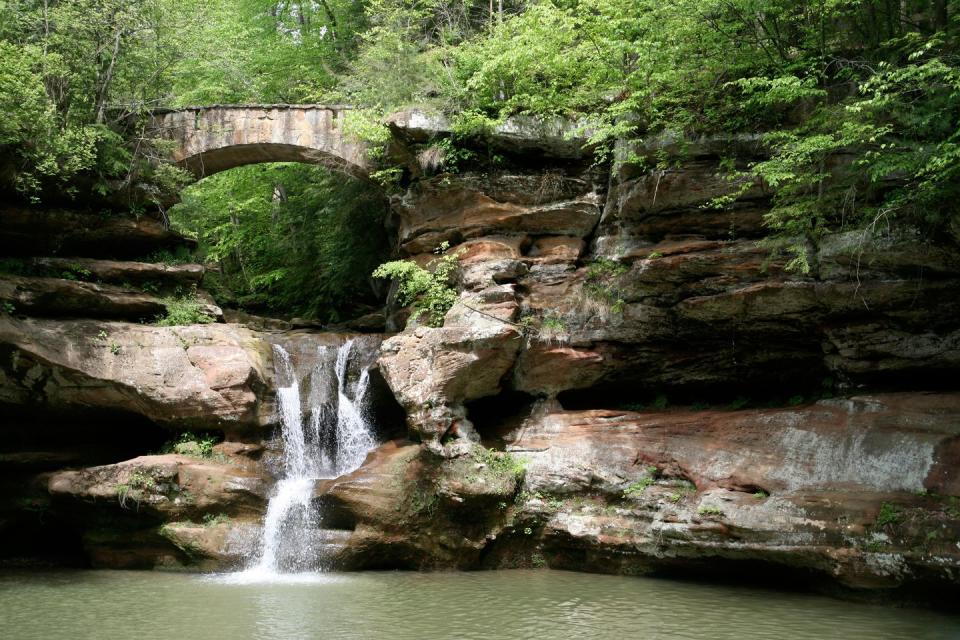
point(428, 289)
point(856, 102)
point(192, 444)
point(70, 73)
point(184, 310)
point(289, 238)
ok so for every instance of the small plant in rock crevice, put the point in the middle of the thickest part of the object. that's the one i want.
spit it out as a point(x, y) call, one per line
point(136, 483)
point(192, 444)
point(553, 329)
point(211, 520)
point(75, 272)
point(500, 463)
point(684, 488)
point(550, 328)
point(601, 284)
point(889, 515)
point(183, 310)
point(429, 290)
point(638, 487)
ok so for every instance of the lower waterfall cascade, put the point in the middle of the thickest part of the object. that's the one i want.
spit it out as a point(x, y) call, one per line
point(331, 438)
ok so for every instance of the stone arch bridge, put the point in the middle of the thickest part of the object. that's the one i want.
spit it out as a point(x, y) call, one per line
point(215, 138)
point(211, 139)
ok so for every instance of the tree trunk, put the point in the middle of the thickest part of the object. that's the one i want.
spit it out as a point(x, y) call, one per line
point(106, 79)
point(940, 17)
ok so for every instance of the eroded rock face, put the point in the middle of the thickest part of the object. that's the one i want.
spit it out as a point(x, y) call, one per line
point(801, 487)
point(441, 210)
point(118, 272)
point(434, 372)
point(197, 376)
point(40, 232)
point(58, 297)
point(846, 489)
point(165, 487)
point(163, 511)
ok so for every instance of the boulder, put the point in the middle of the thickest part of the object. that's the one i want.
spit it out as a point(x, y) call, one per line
point(197, 376)
point(433, 372)
point(162, 487)
point(220, 544)
point(404, 509)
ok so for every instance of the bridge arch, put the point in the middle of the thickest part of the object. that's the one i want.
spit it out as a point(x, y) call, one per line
point(208, 140)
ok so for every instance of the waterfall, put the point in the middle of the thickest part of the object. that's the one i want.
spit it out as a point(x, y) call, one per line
point(333, 439)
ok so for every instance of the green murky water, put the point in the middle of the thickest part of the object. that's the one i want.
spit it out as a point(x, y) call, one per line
point(540, 605)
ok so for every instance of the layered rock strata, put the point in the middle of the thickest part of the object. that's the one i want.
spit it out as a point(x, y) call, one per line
point(860, 490)
point(628, 383)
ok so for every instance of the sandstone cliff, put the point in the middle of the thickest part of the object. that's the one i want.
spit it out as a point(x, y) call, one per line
point(628, 383)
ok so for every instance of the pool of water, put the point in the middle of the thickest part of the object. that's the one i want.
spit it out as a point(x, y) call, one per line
point(541, 605)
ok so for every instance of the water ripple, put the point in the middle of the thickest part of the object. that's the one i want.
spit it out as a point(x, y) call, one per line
point(539, 605)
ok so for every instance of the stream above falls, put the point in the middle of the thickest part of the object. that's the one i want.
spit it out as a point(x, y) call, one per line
point(540, 604)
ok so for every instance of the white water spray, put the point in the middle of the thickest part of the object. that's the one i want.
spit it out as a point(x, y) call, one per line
point(326, 444)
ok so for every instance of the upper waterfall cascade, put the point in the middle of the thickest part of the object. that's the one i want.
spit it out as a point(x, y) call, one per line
point(326, 433)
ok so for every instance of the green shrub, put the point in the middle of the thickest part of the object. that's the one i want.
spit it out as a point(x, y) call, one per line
point(500, 463)
point(199, 445)
point(889, 515)
point(183, 310)
point(429, 290)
